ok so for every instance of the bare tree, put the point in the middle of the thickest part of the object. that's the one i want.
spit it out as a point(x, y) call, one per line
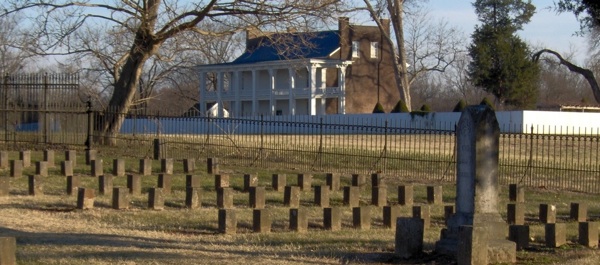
point(420, 46)
point(140, 29)
point(14, 45)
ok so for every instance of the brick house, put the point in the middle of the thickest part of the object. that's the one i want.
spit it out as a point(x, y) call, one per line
point(304, 73)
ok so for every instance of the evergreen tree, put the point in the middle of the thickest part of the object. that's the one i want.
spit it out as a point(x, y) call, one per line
point(501, 62)
point(400, 107)
point(460, 105)
point(378, 108)
point(486, 101)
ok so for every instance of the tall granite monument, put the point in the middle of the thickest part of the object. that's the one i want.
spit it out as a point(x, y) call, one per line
point(477, 144)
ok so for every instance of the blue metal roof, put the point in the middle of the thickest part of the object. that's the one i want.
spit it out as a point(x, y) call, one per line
point(292, 46)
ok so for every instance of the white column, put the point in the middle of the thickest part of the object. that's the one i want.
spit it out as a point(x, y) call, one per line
point(236, 87)
point(323, 106)
point(312, 101)
point(292, 89)
point(220, 78)
point(342, 90)
point(202, 93)
point(272, 101)
point(254, 87)
point(322, 78)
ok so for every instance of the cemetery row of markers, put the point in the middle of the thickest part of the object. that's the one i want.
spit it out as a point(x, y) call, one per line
point(298, 219)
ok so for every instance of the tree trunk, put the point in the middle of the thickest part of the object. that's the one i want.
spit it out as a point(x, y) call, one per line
point(122, 97)
point(586, 73)
point(396, 10)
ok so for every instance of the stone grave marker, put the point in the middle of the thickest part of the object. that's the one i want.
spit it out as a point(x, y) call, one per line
point(477, 143)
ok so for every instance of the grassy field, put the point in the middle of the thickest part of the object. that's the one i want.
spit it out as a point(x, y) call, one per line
point(49, 230)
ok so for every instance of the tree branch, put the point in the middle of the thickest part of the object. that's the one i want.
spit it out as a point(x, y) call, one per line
point(586, 73)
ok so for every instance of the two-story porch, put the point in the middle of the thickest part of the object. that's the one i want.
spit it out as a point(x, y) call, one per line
point(282, 87)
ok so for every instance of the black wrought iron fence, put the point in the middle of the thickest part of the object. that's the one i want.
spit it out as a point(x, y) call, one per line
point(408, 150)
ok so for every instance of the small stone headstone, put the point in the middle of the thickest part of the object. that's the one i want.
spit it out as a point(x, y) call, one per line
point(434, 195)
point(212, 166)
point(555, 234)
point(25, 156)
point(261, 220)
point(298, 220)
point(189, 165)
point(16, 168)
point(377, 180)
point(515, 214)
point(322, 196)
point(360, 181)
point(547, 213)
point(156, 199)
point(166, 166)
point(134, 184)
point(4, 159)
point(36, 185)
point(333, 181)
point(164, 182)
point(379, 196)
point(41, 168)
point(192, 181)
point(4, 186)
point(193, 197)
point(361, 217)
point(409, 237)
point(118, 167)
point(146, 167)
point(221, 181)
point(105, 184)
point(588, 234)
point(73, 184)
point(227, 221)
point(332, 218)
point(250, 180)
point(257, 197)
point(578, 212)
point(516, 193)
point(225, 198)
point(71, 155)
point(90, 155)
point(120, 198)
point(304, 181)
point(520, 235)
point(96, 167)
point(291, 196)
point(8, 250)
point(85, 198)
point(49, 157)
point(405, 195)
point(422, 212)
point(278, 182)
point(351, 196)
point(390, 214)
point(66, 168)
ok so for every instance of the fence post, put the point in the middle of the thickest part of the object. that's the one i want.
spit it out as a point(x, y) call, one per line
point(45, 126)
point(5, 110)
point(90, 124)
point(157, 143)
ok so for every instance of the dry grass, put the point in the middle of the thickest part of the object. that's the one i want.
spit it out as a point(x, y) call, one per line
point(49, 230)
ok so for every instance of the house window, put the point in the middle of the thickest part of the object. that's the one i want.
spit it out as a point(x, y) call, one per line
point(355, 49)
point(374, 50)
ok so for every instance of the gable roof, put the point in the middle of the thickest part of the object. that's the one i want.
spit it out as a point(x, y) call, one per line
point(289, 46)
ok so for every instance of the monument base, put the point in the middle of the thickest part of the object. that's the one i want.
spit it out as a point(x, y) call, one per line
point(489, 233)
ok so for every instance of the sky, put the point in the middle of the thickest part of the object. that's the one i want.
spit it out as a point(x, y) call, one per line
point(546, 29)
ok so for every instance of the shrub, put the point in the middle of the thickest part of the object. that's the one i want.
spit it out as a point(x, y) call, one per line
point(486, 101)
point(400, 107)
point(378, 108)
point(460, 105)
point(425, 108)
